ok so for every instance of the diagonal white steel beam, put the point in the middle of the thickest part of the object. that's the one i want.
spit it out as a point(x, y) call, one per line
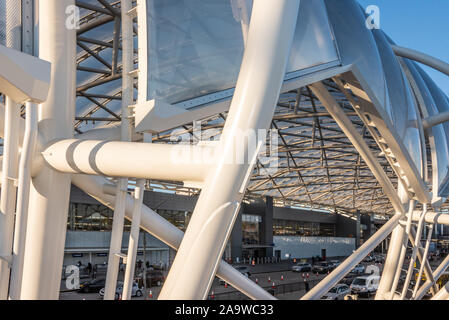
point(257, 91)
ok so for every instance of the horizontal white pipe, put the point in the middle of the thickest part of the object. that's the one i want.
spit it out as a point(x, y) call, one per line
point(335, 276)
point(160, 228)
point(433, 217)
point(129, 159)
point(435, 120)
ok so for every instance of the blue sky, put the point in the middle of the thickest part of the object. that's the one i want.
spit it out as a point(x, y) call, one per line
point(418, 24)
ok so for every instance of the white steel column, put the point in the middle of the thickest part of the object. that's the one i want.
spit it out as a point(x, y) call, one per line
point(49, 195)
point(122, 185)
point(8, 190)
point(23, 196)
point(393, 253)
point(133, 240)
point(257, 91)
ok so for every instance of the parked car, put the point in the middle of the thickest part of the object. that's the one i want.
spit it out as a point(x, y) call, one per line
point(337, 293)
point(335, 263)
point(379, 259)
point(358, 269)
point(153, 277)
point(323, 267)
point(365, 285)
point(94, 285)
point(136, 291)
point(302, 267)
point(368, 258)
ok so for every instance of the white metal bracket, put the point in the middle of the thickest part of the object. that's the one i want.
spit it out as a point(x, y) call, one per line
point(122, 256)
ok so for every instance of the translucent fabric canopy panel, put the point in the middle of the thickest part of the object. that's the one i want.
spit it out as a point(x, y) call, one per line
point(10, 23)
point(400, 105)
point(195, 47)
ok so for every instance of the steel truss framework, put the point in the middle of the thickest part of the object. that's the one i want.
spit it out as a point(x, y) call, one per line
point(319, 165)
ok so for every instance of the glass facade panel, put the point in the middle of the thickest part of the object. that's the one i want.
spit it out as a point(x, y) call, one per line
point(195, 47)
point(251, 229)
point(301, 228)
point(95, 217)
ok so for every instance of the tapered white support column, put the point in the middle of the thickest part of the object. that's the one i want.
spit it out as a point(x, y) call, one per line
point(257, 91)
point(133, 239)
point(23, 196)
point(122, 185)
point(8, 190)
point(50, 190)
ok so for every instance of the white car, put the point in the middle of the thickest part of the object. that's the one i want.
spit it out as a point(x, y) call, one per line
point(339, 292)
point(302, 267)
point(366, 285)
point(135, 292)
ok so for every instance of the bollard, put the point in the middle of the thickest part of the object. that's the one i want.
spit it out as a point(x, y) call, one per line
point(257, 281)
point(308, 275)
point(212, 296)
point(282, 277)
point(150, 295)
point(272, 285)
point(226, 284)
point(269, 279)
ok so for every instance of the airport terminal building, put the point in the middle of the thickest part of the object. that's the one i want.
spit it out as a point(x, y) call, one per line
point(261, 230)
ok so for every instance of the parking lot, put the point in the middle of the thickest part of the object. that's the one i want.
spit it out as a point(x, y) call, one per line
point(277, 278)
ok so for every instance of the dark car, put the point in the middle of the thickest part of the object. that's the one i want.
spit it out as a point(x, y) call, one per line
point(323, 267)
point(154, 278)
point(94, 285)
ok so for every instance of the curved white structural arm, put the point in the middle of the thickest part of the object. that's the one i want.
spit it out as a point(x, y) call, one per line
point(430, 61)
point(167, 233)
